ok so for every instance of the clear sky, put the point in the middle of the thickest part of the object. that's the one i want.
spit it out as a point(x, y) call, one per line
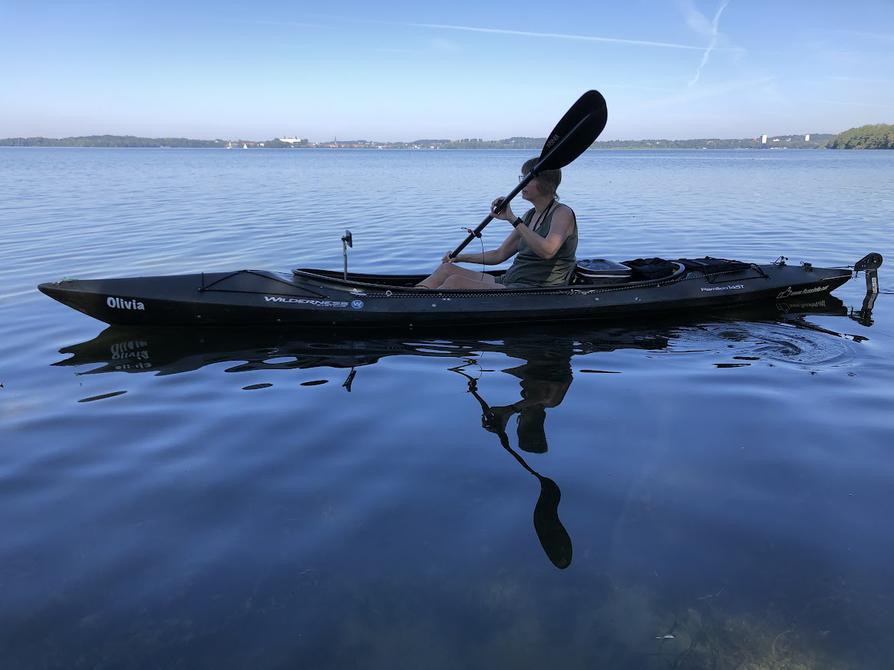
point(401, 70)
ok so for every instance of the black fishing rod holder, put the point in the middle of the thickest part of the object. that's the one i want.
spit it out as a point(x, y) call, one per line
point(347, 240)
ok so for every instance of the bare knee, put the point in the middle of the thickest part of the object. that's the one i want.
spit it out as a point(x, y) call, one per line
point(462, 281)
point(435, 279)
point(453, 281)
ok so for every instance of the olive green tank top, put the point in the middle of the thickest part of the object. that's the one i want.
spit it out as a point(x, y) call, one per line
point(529, 269)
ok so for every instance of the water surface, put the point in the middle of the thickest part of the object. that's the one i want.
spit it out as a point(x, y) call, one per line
point(689, 493)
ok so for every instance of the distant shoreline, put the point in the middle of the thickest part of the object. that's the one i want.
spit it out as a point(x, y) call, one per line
point(807, 141)
point(395, 149)
point(878, 136)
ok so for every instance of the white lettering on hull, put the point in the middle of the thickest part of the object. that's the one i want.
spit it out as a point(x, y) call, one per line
point(732, 287)
point(121, 303)
point(305, 301)
point(804, 291)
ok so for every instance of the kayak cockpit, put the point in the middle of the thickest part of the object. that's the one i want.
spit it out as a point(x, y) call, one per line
point(360, 279)
point(589, 273)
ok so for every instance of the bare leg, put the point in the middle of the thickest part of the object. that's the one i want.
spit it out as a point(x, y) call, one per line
point(450, 271)
point(461, 281)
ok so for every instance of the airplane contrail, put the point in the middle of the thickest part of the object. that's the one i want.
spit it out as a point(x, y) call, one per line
point(564, 36)
point(715, 32)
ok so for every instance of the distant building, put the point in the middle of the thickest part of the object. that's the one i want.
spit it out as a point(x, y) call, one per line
point(807, 137)
point(763, 139)
point(291, 140)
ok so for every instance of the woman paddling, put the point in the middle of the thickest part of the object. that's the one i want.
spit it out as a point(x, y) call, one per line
point(545, 241)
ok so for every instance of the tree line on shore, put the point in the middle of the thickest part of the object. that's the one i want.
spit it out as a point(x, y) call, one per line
point(117, 141)
point(878, 136)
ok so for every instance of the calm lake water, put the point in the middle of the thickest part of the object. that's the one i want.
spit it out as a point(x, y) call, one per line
point(689, 493)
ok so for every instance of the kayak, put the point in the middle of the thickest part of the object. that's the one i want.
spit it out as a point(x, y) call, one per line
point(315, 298)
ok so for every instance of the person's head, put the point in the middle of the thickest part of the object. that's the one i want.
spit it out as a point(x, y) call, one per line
point(546, 183)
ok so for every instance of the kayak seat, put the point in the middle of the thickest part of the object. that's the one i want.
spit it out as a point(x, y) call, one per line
point(600, 271)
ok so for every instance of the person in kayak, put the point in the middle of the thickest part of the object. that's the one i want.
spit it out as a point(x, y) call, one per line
point(543, 242)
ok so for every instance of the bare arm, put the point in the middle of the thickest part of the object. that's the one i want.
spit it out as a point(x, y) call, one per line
point(561, 227)
point(495, 256)
point(506, 250)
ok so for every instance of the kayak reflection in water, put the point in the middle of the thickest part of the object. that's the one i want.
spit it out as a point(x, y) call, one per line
point(545, 241)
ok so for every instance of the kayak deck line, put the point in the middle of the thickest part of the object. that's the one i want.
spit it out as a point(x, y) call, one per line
point(397, 291)
point(258, 273)
point(680, 275)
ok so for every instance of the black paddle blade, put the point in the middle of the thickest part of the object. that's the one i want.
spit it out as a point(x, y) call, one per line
point(575, 132)
point(552, 534)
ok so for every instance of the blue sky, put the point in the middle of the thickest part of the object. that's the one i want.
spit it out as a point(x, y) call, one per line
point(410, 70)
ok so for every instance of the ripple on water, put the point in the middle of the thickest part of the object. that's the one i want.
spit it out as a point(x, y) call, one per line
point(795, 344)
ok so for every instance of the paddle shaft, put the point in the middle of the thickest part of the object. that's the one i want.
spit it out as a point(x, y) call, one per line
point(490, 217)
point(524, 182)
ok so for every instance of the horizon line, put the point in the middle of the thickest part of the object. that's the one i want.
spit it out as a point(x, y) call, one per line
point(335, 140)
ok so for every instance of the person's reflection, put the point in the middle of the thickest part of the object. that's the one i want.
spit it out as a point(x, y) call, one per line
point(544, 383)
point(544, 379)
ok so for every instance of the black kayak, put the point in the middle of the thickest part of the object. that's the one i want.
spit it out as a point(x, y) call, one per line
point(325, 299)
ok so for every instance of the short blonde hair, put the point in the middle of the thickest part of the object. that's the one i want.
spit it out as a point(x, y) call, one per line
point(550, 178)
